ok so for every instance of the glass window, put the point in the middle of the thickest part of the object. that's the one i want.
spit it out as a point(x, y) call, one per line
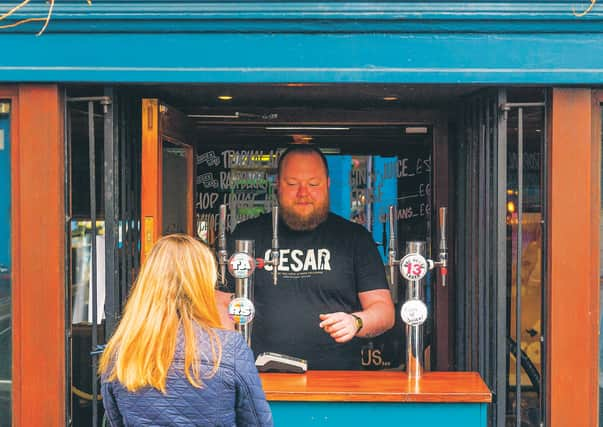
point(528, 247)
point(5, 269)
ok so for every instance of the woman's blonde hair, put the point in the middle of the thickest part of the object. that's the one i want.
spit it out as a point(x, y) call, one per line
point(174, 290)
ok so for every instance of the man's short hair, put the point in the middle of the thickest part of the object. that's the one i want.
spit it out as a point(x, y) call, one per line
point(302, 149)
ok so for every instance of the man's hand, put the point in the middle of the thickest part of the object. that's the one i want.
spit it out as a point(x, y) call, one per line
point(341, 326)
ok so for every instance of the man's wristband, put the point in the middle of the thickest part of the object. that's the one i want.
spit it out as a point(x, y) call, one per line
point(358, 321)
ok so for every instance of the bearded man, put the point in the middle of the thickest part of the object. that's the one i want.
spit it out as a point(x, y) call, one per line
point(331, 290)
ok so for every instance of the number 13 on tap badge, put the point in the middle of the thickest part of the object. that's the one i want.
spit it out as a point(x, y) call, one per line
point(413, 267)
point(241, 266)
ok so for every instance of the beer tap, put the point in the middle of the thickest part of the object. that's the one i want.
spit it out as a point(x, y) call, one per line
point(222, 252)
point(442, 262)
point(274, 253)
point(241, 266)
point(413, 268)
point(392, 254)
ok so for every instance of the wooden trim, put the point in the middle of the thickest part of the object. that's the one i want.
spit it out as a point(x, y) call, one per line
point(573, 259)
point(444, 302)
point(376, 386)
point(151, 188)
point(190, 195)
point(38, 245)
point(161, 123)
point(11, 93)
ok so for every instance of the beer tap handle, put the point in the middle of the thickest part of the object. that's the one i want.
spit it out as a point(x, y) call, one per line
point(222, 253)
point(274, 256)
point(443, 255)
point(392, 253)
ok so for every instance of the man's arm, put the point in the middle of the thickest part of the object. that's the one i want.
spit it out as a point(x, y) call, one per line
point(222, 301)
point(377, 317)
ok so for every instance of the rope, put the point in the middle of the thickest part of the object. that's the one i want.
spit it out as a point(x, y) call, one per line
point(83, 395)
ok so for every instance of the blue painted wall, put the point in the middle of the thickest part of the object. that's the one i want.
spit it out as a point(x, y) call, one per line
point(540, 42)
point(340, 168)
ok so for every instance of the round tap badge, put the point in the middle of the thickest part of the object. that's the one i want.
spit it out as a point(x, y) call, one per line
point(414, 312)
point(241, 265)
point(413, 267)
point(241, 310)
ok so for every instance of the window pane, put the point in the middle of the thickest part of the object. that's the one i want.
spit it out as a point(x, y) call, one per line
point(528, 248)
point(5, 266)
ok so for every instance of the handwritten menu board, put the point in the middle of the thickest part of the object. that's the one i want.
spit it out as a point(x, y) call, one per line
point(414, 195)
point(243, 180)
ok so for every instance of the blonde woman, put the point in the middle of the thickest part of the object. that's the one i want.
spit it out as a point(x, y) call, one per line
point(169, 361)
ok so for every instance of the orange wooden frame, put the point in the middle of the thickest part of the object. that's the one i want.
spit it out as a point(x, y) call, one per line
point(573, 257)
point(38, 290)
point(38, 254)
point(160, 123)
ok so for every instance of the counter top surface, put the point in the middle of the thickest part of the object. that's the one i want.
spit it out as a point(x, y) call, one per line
point(375, 386)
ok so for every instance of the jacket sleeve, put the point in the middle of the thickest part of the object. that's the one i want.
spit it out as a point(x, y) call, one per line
point(251, 406)
point(111, 410)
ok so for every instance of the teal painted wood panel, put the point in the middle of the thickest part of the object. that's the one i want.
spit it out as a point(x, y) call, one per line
point(494, 16)
point(278, 58)
point(346, 414)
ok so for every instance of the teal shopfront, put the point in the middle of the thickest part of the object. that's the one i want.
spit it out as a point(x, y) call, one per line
point(486, 108)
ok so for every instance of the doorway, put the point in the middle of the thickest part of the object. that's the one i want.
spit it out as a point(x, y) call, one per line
point(386, 144)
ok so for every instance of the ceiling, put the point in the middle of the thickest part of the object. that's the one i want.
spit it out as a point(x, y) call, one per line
point(192, 98)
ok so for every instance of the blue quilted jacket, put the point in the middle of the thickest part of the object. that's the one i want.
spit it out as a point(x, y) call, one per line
point(232, 397)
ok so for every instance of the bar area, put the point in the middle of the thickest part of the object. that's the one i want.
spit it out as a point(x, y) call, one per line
point(343, 398)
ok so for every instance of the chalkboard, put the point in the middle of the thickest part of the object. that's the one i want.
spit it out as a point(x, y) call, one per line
point(244, 180)
point(241, 179)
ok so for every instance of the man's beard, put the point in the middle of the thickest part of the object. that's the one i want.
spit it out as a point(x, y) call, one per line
point(307, 222)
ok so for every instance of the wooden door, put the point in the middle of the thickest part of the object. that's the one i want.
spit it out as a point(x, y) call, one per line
point(167, 173)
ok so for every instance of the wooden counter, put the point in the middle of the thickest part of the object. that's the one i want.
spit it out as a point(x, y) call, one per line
point(376, 386)
point(349, 398)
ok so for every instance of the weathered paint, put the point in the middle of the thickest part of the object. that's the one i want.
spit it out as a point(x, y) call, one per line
point(263, 58)
point(573, 259)
point(38, 249)
point(262, 42)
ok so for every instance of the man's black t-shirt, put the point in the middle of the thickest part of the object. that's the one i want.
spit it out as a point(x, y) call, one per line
point(320, 271)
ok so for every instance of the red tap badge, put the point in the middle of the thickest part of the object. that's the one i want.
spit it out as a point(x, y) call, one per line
point(413, 267)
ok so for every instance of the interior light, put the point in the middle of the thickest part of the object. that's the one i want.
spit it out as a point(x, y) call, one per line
point(225, 97)
point(416, 130)
point(510, 207)
point(390, 98)
point(301, 128)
